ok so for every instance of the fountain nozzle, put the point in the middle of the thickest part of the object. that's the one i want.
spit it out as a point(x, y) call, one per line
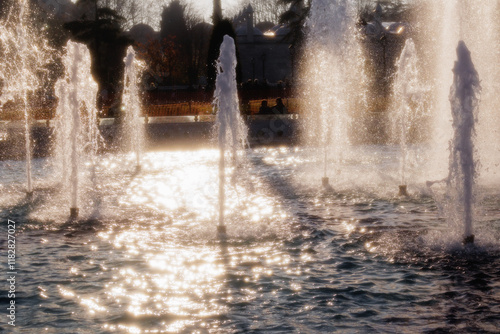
point(403, 191)
point(221, 230)
point(468, 240)
point(325, 182)
point(73, 213)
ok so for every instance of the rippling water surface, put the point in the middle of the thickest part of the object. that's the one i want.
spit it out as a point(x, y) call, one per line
point(145, 256)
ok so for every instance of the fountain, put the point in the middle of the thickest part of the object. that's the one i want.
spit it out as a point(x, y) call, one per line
point(77, 130)
point(477, 25)
point(407, 105)
point(229, 125)
point(353, 260)
point(464, 98)
point(22, 71)
point(132, 104)
point(333, 79)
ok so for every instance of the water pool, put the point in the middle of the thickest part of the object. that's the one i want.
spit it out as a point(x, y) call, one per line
point(145, 256)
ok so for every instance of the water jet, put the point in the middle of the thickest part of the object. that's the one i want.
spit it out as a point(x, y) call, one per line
point(407, 106)
point(333, 80)
point(76, 129)
point(229, 125)
point(25, 53)
point(132, 105)
point(461, 183)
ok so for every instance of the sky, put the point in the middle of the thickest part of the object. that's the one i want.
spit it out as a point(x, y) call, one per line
point(201, 7)
point(205, 6)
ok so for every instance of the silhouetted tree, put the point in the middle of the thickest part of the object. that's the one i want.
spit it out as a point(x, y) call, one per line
point(224, 27)
point(173, 21)
point(57, 37)
point(99, 28)
point(393, 11)
point(268, 10)
point(174, 29)
point(160, 56)
point(295, 17)
point(200, 37)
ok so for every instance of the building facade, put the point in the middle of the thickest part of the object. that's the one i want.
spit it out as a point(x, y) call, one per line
point(264, 56)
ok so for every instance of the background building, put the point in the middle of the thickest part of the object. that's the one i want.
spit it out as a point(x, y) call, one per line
point(264, 56)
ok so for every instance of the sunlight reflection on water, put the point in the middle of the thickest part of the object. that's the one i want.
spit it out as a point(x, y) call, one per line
point(296, 257)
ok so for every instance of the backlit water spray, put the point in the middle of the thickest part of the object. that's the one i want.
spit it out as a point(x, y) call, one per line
point(333, 79)
point(22, 68)
point(407, 105)
point(77, 128)
point(132, 104)
point(464, 99)
point(229, 125)
point(442, 25)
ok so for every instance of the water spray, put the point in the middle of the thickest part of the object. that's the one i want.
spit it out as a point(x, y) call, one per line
point(231, 130)
point(407, 105)
point(76, 130)
point(462, 169)
point(132, 104)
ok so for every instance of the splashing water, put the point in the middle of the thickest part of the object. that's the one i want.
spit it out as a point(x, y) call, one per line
point(132, 103)
point(231, 129)
point(407, 102)
point(464, 99)
point(25, 54)
point(77, 129)
point(443, 24)
point(333, 80)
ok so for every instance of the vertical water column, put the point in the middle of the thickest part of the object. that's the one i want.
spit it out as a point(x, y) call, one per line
point(75, 126)
point(24, 54)
point(229, 125)
point(480, 21)
point(27, 129)
point(332, 78)
point(464, 99)
point(132, 104)
point(441, 25)
point(437, 36)
point(77, 132)
point(407, 105)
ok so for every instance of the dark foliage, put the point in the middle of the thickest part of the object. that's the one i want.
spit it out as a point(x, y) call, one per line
point(173, 28)
point(295, 17)
point(391, 11)
point(173, 22)
point(107, 44)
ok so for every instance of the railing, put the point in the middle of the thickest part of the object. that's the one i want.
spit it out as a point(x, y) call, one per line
point(192, 108)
